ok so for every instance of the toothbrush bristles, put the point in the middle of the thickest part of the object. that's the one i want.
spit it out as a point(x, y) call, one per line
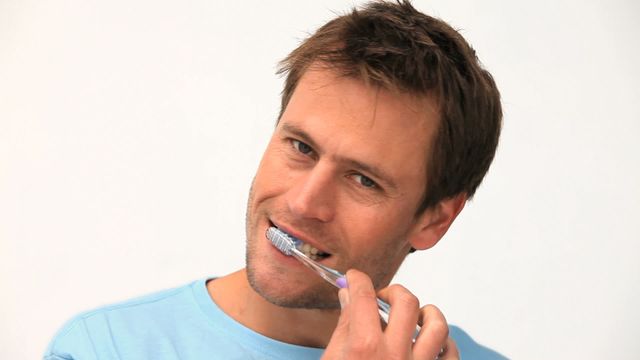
point(280, 240)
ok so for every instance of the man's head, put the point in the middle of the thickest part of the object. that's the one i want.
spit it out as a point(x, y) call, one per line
point(388, 125)
point(394, 46)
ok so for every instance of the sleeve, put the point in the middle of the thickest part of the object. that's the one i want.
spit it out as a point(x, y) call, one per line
point(72, 342)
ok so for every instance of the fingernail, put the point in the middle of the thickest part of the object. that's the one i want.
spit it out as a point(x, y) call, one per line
point(342, 282)
point(343, 296)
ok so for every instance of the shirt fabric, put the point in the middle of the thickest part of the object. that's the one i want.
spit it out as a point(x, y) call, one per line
point(182, 323)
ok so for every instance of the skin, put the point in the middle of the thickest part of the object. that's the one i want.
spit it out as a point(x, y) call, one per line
point(345, 172)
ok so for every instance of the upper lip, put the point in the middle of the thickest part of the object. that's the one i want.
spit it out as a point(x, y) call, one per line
point(302, 237)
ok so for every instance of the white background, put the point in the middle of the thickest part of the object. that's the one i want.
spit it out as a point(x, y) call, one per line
point(130, 131)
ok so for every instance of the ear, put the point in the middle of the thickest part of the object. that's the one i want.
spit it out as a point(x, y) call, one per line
point(431, 225)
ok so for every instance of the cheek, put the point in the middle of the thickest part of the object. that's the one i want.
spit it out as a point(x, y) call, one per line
point(271, 177)
point(377, 219)
point(375, 230)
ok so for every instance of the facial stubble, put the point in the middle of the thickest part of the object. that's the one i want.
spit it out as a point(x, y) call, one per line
point(269, 280)
point(319, 295)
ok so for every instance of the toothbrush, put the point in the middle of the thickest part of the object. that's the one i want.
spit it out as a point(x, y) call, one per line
point(287, 245)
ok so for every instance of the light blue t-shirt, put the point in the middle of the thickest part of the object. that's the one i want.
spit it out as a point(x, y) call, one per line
point(182, 323)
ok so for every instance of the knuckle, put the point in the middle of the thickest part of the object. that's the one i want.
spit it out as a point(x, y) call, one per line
point(438, 327)
point(432, 309)
point(435, 324)
point(400, 295)
point(407, 299)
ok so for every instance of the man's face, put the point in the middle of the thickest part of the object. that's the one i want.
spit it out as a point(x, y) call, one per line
point(344, 172)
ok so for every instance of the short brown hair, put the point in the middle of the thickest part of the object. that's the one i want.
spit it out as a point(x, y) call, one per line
point(392, 45)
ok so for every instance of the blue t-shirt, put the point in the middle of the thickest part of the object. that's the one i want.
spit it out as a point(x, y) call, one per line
point(182, 323)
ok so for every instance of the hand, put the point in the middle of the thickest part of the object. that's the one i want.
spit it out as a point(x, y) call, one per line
point(360, 335)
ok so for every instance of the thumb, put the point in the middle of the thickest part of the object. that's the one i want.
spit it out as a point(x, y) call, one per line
point(339, 336)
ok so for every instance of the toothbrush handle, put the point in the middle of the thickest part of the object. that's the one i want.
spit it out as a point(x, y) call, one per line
point(336, 279)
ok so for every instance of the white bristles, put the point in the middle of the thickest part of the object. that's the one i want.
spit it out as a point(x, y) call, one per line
point(280, 240)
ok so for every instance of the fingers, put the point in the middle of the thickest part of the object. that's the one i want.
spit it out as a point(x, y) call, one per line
point(343, 321)
point(433, 335)
point(337, 343)
point(450, 351)
point(405, 313)
point(403, 317)
point(362, 302)
point(358, 332)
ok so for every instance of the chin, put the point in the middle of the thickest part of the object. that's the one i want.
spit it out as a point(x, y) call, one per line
point(280, 289)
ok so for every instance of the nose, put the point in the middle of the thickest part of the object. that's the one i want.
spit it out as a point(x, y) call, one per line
point(312, 195)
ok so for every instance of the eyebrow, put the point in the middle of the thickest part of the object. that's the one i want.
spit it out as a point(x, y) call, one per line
point(375, 171)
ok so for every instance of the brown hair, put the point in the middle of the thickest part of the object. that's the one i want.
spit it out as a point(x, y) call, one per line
point(392, 45)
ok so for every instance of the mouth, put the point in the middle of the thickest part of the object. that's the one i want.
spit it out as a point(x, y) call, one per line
point(309, 250)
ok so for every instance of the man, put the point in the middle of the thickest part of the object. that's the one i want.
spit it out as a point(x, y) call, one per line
point(388, 125)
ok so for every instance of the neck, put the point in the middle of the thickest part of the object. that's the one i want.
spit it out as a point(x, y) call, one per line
point(306, 327)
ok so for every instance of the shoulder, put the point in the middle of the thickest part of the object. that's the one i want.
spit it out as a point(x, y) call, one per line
point(71, 342)
point(90, 334)
point(470, 349)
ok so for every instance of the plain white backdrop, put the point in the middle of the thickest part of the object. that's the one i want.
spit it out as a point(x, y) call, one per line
point(130, 131)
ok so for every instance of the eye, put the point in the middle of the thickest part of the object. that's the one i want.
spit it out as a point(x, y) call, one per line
point(365, 181)
point(302, 147)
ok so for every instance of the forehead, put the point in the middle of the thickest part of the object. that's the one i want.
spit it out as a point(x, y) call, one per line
point(349, 119)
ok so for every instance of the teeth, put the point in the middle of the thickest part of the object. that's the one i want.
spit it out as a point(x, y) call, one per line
point(310, 251)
